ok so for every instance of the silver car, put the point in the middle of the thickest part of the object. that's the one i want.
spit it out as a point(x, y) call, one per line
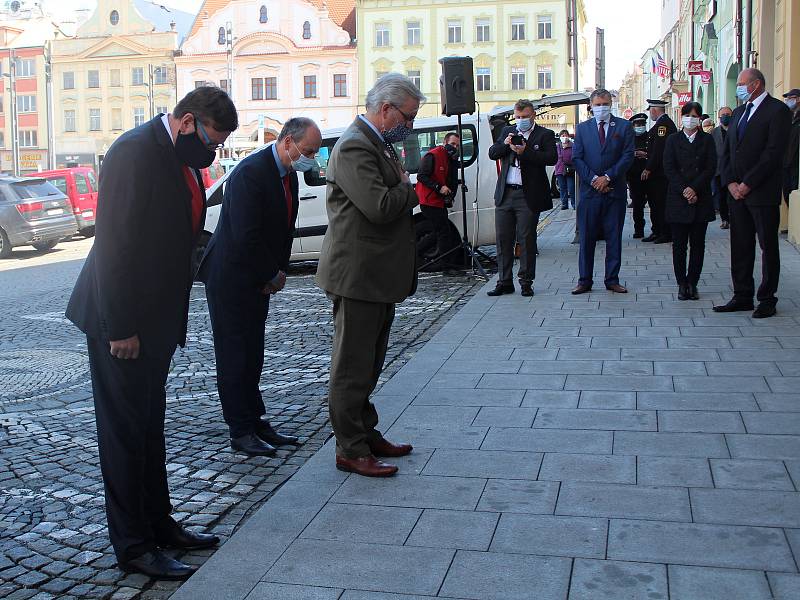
point(33, 212)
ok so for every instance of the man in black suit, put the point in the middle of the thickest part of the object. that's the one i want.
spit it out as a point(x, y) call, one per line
point(131, 300)
point(245, 262)
point(522, 192)
point(751, 170)
point(653, 173)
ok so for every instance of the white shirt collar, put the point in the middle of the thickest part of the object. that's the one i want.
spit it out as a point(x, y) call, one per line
point(756, 102)
point(690, 137)
point(165, 121)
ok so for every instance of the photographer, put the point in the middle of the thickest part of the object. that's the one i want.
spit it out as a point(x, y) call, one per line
point(437, 181)
point(565, 170)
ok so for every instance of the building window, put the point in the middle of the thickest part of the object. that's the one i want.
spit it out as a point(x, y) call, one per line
point(262, 14)
point(138, 116)
point(116, 119)
point(484, 77)
point(162, 110)
point(26, 67)
point(545, 78)
point(483, 31)
point(116, 78)
point(257, 88)
point(28, 138)
point(94, 119)
point(1, 105)
point(415, 77)
point(69, 80)
point(309, 86)
point(306, 30)
point(413, 33)
point(454, 32)
point(221, 36)
point(340, 86)
point(544, 25)
point(93, 79)
point(2, 139)
point(270, 88)
point(69, 120)
point(223, 85)
point(160, 75)
point(382, 39)
point(518, 78)
point(26, 104)
point(518, 28)
point(137, 76)
point(113, 18)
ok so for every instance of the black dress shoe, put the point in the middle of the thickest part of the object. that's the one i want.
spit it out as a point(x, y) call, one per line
point(274, 438)
point(527, 290)
point(663, 239)
point(683, 292)
point(733, 306)
point(158, 565)
point(581, 289)
point(693, 295)
point(764, 311)
point(252, 445)
point(501, 289)
point(650, 238)
point(638, 235)
point(175, 536)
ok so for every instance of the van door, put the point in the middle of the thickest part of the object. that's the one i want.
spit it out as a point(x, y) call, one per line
point(312, 219)
point(85, 195)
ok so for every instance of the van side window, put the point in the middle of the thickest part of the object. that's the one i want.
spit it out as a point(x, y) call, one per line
point(60, 183)
point(80, 184)
point(316, 177)
point(92, 181)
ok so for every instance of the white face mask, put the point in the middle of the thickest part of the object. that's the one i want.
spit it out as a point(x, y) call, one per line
point(690, 122)
point(791, 103)
point(564, 139)
point(601, 112)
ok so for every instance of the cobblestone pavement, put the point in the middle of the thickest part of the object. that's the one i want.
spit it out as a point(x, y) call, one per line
point(53, 540)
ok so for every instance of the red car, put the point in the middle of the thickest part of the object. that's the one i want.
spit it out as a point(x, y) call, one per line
point(79, 184)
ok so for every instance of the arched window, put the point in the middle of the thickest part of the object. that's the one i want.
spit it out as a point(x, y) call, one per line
point(221, 36)
point(262, 14)
point(114, 17)
point(306, 30)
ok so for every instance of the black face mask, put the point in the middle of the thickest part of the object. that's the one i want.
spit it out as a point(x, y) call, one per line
point(452, 151)
point(192, 151)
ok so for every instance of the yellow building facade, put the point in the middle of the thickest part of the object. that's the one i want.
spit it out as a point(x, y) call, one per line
point(519, 49)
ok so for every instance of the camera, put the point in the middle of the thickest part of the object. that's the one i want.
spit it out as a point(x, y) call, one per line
point(517, 140)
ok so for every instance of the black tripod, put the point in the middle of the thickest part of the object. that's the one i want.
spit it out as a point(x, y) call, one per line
point(470, 253)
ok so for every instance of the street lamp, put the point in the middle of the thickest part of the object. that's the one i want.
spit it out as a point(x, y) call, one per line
point(12, 85)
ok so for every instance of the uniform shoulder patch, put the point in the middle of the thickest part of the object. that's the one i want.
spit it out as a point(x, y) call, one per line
point(662, 130)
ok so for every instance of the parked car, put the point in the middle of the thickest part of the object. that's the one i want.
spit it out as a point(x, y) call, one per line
point(33, 212)
point(79, 184)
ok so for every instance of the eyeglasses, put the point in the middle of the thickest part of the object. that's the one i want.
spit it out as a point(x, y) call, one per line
point(210, 144)
point(409, 119)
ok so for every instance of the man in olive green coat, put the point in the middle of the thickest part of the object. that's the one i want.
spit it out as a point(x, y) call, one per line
point(367, 265)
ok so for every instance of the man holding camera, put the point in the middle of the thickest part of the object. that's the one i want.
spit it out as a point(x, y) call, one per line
point(437, 180)
point(522, 192)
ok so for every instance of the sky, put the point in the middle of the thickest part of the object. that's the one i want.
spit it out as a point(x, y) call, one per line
point(631, 26)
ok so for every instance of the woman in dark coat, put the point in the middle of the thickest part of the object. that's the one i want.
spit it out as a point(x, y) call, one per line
point(690, 161)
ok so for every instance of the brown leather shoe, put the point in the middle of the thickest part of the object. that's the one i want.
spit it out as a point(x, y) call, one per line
point(615, 287)
point(582, 289)
point(384, 447)
point(368, 466)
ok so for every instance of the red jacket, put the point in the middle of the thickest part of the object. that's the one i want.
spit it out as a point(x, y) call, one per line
point(429, 196)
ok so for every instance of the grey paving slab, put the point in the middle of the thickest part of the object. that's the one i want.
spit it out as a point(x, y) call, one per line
point(364, 595)
point(771, 329)
point(628, 342)
point(551, 399)
point(371, 566)
point(627, 367)
point(623, 383)
point(669, 354)
point(454, 493)
point(500, 576)
point(456, 416)
point(530, 353)
point(726, 368)
point(523, 382)
point(469, 397)
point(751, 474)
point(438, 435)
point(785, 586)
point(759, 355)
point(692, 583)
point(586, 418)
point(708, 343)
point(499, 416)
point(511, 496)
point(680, 368)
point(458, 529)
point(696, 401)
point(694, 544)
point(607, 400)
point(720, 384)
point(451, 381)
point(699, 445)
point(778, 402)
point(624, 501)
point(481, 352)
point(476, 365)
point(606, 331)
point(568, 342)
point(669, 471)
point(589, 354)
point(773, 422)
point(588, 467)
point(746, 507)
point(548, 440)
point(484, 464)
point(713, 332)
point(763, 446)
point(359, 523)
point(547, 535)
point(560, 367)
point(696, 421)
point(592, 579)
point(273, 591)
point(789, 368)
point(755, 342)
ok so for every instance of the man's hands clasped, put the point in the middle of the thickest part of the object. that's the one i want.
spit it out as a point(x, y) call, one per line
point(739, 191)
point(127, 349)
point(275, 285)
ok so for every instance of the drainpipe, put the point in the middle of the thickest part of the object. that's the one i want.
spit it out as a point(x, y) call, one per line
point(748, 38)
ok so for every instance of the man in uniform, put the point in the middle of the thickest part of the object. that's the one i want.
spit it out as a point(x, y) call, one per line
point(636, 186)
point(653, 173)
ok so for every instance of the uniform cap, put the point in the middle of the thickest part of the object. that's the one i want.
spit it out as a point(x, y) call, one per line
point(638, 117)
point(792, 92)
point(659, 103)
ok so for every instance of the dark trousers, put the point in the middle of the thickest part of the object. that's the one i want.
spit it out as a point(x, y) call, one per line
point(238, 315)
point(129, 403)
point(600, 214)
point(693, 235)
point(721, 197)
point(638, 193)
point(657, 198)
point(749, 223)
point(441, 226)
point(514, 222)
point(360, 339)
point(566, 187)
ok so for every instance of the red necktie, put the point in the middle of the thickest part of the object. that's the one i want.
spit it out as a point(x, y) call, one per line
point(197, 197)
point(287, 188)
point(602, 132)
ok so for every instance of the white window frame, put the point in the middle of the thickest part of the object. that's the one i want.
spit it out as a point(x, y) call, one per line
point(68, 75)
point(138, 116)
point(383, 36)
point(26, 67)
point(95, 119)
point(547, 72)
point(415, 75)
point(26, 103)
point(546, 22)
point(413, 33)
point(70, 121)
point(483, 30)
point(455, 31)
point(518, 77)
point(137, 71)
point(89, 80)
point(518, 29)
point(28, 138)
point(481, 76)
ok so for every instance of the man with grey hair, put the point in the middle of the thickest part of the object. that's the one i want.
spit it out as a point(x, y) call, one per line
point(367, 265)
point(245, 262)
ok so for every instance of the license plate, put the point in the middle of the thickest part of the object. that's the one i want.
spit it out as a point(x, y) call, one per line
point(51, 212)
point(88, 213)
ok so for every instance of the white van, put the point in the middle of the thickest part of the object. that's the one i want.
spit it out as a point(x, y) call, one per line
point(480, 175)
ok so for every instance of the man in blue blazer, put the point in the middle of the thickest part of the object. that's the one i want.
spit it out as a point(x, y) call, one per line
point(602, 153)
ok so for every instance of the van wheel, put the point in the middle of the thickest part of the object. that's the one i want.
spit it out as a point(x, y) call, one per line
point(5, 245)
point(87, 232)
point(44, 246)
point(426, 245)
point(199, 251)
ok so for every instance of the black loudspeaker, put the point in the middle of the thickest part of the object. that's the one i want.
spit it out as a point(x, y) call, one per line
point(457, 85)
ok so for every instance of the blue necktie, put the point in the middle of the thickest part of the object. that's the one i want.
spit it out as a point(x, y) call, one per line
point(740, 128)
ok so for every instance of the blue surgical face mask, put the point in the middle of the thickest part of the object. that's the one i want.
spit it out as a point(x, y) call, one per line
point(791, 103)
point(524, 124)
point(601, 112)
point(640, 130)
point(303, 162)
point(742, 93)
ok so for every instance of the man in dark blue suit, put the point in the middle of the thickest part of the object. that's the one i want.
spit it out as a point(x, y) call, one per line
point(602, 153)
point(245, 262)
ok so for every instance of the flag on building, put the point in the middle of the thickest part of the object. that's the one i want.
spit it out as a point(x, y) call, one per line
point(660, 68)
